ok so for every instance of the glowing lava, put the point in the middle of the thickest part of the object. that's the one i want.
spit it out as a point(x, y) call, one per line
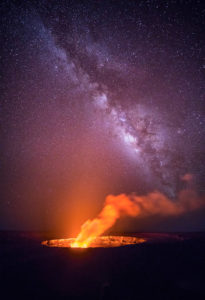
point(113, 209)
point(102, 241)
point(133, 205)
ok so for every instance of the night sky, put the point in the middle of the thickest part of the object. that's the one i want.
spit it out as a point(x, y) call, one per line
point(98, 98)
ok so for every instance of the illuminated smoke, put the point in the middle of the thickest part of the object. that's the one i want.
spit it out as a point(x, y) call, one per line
point(154, 203)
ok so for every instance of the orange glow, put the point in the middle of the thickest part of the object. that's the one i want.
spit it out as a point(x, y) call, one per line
point(154, 203)
point(115, 207)
point(103, 241)
point(110, 213)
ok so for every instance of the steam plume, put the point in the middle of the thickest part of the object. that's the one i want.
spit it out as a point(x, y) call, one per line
point(154, 203)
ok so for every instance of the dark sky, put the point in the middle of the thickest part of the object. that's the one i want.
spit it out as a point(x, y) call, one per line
point(99, 97)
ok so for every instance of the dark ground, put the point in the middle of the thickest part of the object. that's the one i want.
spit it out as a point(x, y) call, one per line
point(166, 267)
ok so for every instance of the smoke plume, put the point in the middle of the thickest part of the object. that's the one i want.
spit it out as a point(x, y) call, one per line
point(133, 205)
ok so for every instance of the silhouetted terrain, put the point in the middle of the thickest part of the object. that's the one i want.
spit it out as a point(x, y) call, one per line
point(168, 266)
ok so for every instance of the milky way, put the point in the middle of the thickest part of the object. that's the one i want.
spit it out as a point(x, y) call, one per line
point(114, 90)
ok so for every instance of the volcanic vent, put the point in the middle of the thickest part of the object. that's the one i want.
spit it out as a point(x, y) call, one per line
point(102, 241)
point(132, 205)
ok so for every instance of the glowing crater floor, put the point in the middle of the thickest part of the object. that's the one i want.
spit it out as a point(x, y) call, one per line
point(102, 241)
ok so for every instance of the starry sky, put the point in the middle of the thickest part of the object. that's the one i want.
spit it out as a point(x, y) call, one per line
point(98, 98)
